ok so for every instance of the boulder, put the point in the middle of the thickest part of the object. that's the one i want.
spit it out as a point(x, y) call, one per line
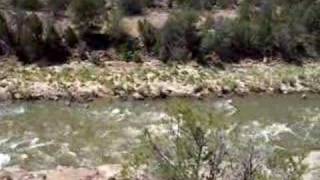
point(313, 162)
point(4, 94)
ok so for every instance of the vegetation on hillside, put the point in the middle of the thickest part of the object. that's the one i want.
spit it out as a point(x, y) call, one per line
point(262, 28)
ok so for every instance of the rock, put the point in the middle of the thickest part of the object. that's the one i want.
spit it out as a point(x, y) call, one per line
point(175, 89)
point(4, 94)
point(4, 160)
point(82, 91)
point(5, 175)
point(284, 88)
point(313, 163)
point(105, 172)
point(65, 173)
point(304, 96)
point(109, 171)
point(225, 106)
point(137, 96)
point(45, 90)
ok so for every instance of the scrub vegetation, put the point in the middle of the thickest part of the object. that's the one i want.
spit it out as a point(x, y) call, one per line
point(260, 29)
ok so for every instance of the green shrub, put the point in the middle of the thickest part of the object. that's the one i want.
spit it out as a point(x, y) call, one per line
point(131, 7)
point(4, 32)
point(290, 32)
point(55, 51)
point(31, 5)
point(311, 18)
point(179, 38)
point(5, 37)
point(317, 44)
point(30, 39)
point(197, 4)
point(86, 12)
point(235, 40)
point(199, 146)
point(148, 35)
point(71, 37)
point(114, 29)
point(293, 35)
point(225, 3)
point(129, 50)
point(58, 5)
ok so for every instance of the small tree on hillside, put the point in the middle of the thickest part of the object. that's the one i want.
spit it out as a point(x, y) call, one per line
point(58, 5)
point(30, 40)
point(85, 12)
point(30, 5)
point(55, 50)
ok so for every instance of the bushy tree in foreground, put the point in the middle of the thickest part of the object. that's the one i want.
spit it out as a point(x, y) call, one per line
point(198, 146)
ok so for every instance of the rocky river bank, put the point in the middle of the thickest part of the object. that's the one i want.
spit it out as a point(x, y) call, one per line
point(83, 81)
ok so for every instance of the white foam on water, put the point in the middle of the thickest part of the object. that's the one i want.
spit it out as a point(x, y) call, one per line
point(40, 145)
point(4, 160)
point(274, 130)
point(3, 141)
point(257, 131)
point(226, 107)
point(5, 111)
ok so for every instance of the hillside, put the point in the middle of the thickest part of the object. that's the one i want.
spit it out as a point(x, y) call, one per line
point(207, 31)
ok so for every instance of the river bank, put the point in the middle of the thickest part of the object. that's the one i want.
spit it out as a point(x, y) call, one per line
point(84, 81)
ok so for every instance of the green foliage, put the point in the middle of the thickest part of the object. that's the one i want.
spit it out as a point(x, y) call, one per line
point(286, 28)
point(288, 164)
point(148, 35)
point(312, 18)
point(199, 146)
point(197, 4)
point(52, 36)
point(31, 5)
point(224, 3)
point(71, 37)
point(30, 42)
point(179, 38)
point(5, 36)
point(55, 51)
point(131, 7)
point(58, 5)
point(192, 144)
point(290, 32)
point(293, 36)
point(86, 12)
point(129, 51)
point(114, 29)
point(4, 32)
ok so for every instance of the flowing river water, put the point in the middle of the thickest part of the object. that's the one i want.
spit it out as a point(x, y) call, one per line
point(43, 135)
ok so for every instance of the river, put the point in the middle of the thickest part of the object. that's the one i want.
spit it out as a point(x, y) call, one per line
point(42, 135)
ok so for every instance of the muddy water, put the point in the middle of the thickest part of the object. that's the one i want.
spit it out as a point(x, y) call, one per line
point(42, 135)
